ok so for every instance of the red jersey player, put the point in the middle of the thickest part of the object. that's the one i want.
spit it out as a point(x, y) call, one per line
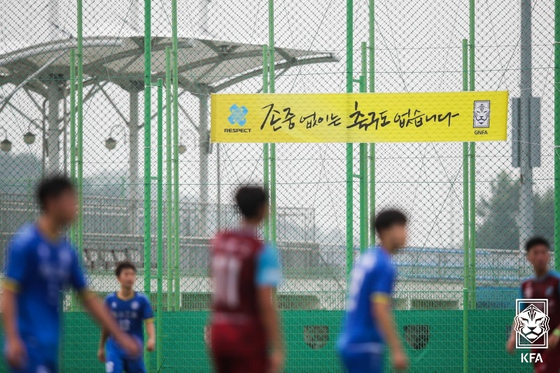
point(545, 284)
point(245, 333)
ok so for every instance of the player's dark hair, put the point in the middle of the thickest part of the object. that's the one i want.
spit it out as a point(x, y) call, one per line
point(387, 219)
point(52, 187)
point(536, 241)
point(121, 266)
point(250, 199)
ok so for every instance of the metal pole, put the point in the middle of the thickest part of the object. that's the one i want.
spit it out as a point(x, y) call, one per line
point(134, 130)
point(364, 233)
point(175, 53)
point(472, 160)
point(557, 135)
point(147, 147)
point(80, 129)
point(53, 20)
point(53, 141)
point(266, 147)
point(169, 177)
point(159, 358)
point(203, 139)
point(349, 147)
point(271, 61)
point(466, 229)
point(526, 213)
point(372, 89)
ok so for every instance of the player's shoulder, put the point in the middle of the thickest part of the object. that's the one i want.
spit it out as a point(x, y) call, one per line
point(25, 238)
point(381, 257)
point(238, 234)
point(373, 259)
point(111, 297)
point(528, 280)
point(141, 297)
point(554, 274)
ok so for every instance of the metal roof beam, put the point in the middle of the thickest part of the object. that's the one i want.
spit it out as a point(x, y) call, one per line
point(36, 73)
point(113, 105)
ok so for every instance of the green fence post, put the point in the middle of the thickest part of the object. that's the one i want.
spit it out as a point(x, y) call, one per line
point(159, 223)
point(271, 89)
point(372, 89)
point(80, 129)
point(147, 153)
point(266, 150)
point(349, 147)
point(472, 165)
point(74, 305)
point(557, 135)
point(169, 178)
point(73, 129)
point(176, 230)
point(147, 147)
point(364, 233)
point(466, 228)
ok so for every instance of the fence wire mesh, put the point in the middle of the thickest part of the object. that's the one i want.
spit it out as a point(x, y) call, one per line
point(417, 48)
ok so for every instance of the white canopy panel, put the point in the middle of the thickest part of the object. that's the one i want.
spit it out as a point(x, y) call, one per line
point(204, 65)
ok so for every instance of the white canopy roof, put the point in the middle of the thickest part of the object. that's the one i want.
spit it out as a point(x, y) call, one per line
point(204, 65)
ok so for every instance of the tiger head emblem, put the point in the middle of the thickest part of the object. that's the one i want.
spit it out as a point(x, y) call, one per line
point(481, 114)
point(532, 323)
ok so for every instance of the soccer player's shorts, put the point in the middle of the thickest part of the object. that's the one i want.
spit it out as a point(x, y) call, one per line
point(238, 349)
point(356, 361)
point(118, 362)
point(40, 359)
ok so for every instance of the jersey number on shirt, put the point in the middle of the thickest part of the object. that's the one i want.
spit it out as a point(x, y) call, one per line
point(124, 325)
point(226, 271)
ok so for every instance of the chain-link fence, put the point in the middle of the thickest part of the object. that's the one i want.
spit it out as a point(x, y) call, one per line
point(119, 100)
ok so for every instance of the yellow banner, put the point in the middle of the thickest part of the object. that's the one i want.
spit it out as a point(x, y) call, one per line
point(359, 117)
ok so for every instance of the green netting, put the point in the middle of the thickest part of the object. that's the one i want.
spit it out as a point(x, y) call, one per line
point(91, 122)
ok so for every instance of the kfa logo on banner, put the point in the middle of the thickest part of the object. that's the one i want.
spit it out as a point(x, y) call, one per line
point(531, 327)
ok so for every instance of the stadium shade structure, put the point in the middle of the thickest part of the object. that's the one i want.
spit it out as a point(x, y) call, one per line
point(205, 67)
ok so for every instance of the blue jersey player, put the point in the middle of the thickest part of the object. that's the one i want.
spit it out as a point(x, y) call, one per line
point(369, 321)
point(132, 310)
point(40, 265)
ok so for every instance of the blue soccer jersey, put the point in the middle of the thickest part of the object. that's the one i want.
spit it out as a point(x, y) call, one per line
point(38, 270)
point(130, 315)
point(373, 279)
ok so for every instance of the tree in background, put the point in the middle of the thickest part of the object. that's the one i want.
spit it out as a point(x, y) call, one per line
point(544, 215)
point(498, 213)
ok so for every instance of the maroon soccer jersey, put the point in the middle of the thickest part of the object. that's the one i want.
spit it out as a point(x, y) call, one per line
point(237, 337)
point(234, 266)
point(546, 287)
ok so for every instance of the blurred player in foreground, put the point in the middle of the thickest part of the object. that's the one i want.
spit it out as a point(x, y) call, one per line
point(369, 321)
point(131, 310)
point(545, 284)
point(245, 331)
point(41, 263)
